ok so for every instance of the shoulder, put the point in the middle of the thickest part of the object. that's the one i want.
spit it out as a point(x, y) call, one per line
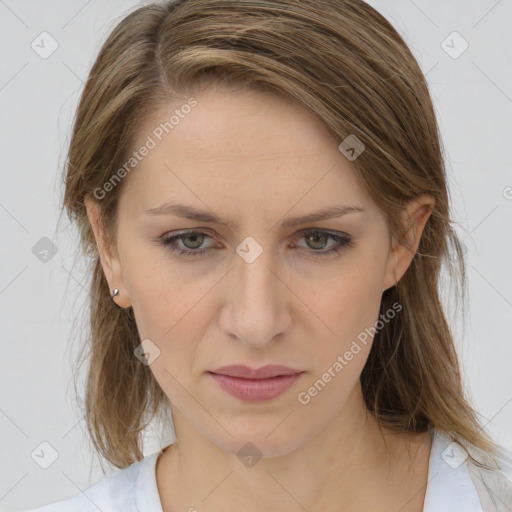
point(458, 482)
point(122, 490)
point(494, 483)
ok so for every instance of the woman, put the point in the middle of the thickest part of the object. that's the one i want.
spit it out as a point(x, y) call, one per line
point(261, 187)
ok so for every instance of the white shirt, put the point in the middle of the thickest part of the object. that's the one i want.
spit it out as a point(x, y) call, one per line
point(453, 485)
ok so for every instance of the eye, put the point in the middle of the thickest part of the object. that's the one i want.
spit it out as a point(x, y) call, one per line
point(318, 239)
point(192, 241)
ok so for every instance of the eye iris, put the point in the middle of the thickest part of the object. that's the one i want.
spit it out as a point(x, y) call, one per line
point(196, 236)
point(316, 236)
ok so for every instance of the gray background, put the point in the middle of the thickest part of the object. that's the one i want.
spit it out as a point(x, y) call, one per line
point(42, 295)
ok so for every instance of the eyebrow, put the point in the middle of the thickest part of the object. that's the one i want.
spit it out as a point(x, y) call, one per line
point(189, 212)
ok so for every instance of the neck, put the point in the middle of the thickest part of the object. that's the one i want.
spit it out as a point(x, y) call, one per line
point(350, 465)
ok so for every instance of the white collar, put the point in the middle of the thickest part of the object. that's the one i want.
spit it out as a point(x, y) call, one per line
point(449, 487)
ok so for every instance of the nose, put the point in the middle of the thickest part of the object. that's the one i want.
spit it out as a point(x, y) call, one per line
point(257, 301)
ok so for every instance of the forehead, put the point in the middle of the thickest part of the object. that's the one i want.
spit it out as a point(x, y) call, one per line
point(243, 145)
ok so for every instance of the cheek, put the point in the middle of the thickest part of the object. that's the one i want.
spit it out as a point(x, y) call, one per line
point(350, 310)
point(349, 306)
point(173, 309)
point(160, 291)
point(165, 312)
point(348, 303)
point(166, 307)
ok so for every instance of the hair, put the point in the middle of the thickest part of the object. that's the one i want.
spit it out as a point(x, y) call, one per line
point(343, 61)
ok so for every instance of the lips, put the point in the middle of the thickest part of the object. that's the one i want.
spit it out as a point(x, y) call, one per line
point(255, 384)
point(245, 372)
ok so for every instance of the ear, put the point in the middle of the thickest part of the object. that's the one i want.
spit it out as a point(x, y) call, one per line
point(108, 256)
point(402, 253)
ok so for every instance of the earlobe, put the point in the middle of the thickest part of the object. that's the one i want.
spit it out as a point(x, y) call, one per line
point(110, 263)
point(391, 278)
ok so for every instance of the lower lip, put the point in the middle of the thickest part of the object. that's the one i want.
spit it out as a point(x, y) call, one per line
point(255, 390)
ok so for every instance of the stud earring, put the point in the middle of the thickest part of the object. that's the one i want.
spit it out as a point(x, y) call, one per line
point(114, 294)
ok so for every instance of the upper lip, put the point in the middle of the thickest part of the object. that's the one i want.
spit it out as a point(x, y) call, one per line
point(265, 372)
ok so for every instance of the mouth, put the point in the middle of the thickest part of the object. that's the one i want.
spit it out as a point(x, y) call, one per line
point(255, 385)
point(246, 372)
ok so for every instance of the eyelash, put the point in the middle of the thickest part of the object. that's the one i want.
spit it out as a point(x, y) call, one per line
point(167, 242)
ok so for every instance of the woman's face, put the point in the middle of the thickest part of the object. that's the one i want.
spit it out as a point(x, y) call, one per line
point(258, 288)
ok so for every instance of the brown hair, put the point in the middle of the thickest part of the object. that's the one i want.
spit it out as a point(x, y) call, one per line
point(348, 65)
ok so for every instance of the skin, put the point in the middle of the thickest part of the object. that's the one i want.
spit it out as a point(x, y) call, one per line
point(254, 160)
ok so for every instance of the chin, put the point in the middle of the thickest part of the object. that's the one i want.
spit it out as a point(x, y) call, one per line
point(259, 439)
